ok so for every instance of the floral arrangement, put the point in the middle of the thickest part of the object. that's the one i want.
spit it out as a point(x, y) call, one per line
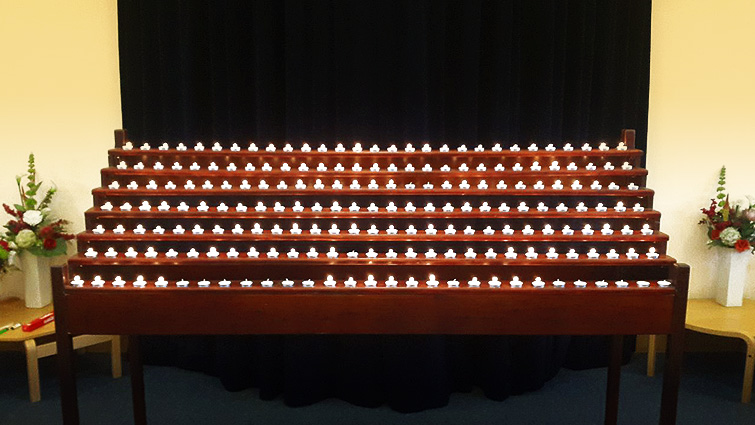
point(731, 226)
point(32, 227)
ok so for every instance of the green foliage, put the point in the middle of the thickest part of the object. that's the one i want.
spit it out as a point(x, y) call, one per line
point(720, 195)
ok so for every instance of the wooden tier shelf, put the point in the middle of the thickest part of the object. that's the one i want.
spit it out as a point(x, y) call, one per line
point(168, 284)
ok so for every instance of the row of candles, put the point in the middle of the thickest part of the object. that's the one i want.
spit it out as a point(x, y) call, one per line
point(372, 185)
point(391, 207)
point(357, 147)
point(354, 229)
point(370, 282)
point(426, 168)
point(410, 253)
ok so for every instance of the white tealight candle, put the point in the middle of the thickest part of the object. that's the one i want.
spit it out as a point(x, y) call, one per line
point(646, 230)
point(593, 254)
point(530, 254)
point(515, 282)
point(606, 230)
point(391, 282)
point(494, 282)
point(410, 253)
point(551, 254)
point(312, 253)
point(510, 254)
point(391, 253)
point(332, 253)
point(470, 254)
point(431, 230)
point(161, 282)
point(572, 254)
point(213, 252)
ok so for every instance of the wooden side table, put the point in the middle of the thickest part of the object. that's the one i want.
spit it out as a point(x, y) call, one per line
point(13, 311)
point(707, 316)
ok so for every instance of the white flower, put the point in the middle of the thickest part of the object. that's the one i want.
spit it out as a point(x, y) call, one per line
point(729, 236)
point(33, 217)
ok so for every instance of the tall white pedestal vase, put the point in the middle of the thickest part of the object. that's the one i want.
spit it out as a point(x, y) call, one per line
point(732, 276)
point(37, 281)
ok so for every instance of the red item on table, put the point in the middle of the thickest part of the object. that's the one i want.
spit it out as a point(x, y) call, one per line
point(39, 322)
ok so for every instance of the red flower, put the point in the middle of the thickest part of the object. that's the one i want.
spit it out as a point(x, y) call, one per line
point(47, 232)
point(50, 244)
point(12, 212)
point(710, 212)
point(722, 225)
point(715, 234)
point(742, 245)
point(5, 245)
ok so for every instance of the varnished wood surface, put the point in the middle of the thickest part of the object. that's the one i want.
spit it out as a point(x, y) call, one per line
point(362, 311)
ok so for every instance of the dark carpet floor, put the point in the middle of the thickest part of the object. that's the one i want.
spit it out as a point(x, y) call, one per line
point(710, 393)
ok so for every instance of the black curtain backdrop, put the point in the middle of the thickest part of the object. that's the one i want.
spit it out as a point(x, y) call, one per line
point(383, 72)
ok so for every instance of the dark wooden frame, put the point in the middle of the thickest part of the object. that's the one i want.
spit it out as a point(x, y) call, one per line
point(484, 310)
point(489, 311)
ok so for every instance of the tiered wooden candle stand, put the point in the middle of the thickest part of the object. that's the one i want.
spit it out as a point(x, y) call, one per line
point(494, 240)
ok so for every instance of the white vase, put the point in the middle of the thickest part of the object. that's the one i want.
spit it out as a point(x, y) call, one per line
point(732, 276)
point(37, 283)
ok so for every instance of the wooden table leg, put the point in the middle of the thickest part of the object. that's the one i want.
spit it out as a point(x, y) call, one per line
point(614, 380)
point(137, 380)
point(115, 356)
point(651, 355)
point(749, 369)
point(32, 369)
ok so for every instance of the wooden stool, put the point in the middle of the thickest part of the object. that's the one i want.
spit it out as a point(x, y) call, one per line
point(14, 311)
point(707, 316)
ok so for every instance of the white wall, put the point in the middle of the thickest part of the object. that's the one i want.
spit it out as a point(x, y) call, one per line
point(702, 108)
point(59, 98)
